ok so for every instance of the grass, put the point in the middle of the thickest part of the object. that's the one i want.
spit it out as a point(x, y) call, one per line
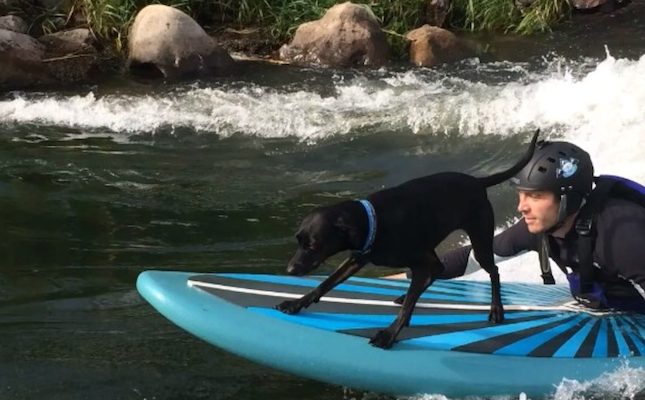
point(110, 19)
point(543, 14)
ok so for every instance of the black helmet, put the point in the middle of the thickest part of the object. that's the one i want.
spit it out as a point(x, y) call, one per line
point(559, 167)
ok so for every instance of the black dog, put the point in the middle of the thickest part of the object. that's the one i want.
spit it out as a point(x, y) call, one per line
point(400, 227)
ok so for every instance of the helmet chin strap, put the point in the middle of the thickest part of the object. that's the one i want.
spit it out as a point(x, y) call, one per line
point(562, 215)
point(564, 212)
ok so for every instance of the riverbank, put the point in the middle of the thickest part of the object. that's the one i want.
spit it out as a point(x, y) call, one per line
point(257, 31)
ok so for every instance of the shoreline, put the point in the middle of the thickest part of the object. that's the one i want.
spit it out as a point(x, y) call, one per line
point(250, 44)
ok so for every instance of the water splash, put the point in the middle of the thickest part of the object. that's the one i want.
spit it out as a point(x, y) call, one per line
point(587, 101)
point(623, 383)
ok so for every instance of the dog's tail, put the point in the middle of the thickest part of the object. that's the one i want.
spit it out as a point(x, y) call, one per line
point(502, 176)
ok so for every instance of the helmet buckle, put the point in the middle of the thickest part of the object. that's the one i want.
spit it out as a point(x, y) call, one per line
point(583, 227)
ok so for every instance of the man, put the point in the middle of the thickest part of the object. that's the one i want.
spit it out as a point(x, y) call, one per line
point(553, 188)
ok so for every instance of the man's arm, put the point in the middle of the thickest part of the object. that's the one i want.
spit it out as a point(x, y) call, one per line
point(510, 242)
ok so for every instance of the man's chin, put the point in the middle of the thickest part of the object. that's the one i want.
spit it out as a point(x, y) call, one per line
point(534, 229)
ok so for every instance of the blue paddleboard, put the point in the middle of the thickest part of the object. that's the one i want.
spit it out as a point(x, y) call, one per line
point(449, 348)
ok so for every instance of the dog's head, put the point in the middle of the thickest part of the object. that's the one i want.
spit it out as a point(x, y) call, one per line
point(322, 233)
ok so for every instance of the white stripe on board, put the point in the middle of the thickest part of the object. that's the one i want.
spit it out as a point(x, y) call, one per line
point(571, 306)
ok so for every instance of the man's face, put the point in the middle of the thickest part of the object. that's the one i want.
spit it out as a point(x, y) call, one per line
point(539, 209)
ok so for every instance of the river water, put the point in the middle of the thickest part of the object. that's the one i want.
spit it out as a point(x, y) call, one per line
point(98, 183)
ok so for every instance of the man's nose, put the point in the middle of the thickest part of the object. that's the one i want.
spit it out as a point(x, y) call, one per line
point(522, 205)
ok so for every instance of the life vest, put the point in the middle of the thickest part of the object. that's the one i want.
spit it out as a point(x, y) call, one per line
point(582, 284)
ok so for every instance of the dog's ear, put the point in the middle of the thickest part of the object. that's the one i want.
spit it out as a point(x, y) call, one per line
point(349, 230)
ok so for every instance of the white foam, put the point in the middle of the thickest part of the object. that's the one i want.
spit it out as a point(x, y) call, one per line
point(597, 106)
point(623, 383)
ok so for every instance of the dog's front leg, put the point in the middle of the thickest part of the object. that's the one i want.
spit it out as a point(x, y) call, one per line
point(346, 269)
point(421, 279)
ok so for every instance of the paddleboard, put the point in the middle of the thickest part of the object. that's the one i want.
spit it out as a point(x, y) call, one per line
point(450, 347)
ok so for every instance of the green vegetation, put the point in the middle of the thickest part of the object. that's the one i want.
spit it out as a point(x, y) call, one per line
point(110, 19)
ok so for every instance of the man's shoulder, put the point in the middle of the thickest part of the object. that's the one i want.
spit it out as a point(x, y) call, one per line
point(622, 205)
point(620, 210)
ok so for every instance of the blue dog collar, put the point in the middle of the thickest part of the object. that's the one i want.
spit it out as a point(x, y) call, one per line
point(371, 219)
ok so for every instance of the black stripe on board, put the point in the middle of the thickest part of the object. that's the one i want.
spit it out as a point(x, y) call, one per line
point(491, 345)
point(587, 346)
point(612, 344)
point(549, 348)
point(419, 331)
point(623, 329)
point(631, 322)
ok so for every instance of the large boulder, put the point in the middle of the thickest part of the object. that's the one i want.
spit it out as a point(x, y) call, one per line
point(431, 46)
point(14, 23)
point(347, 35)
point(70, 55)
point(171, 41)
point(21, 60)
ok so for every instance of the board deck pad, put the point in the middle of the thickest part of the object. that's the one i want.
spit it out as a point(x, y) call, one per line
point(540, 321)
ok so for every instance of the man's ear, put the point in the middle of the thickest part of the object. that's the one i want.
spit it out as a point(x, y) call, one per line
point(349, 231)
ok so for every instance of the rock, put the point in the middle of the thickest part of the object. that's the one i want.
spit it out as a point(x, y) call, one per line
point(347, 35)
point(588, 4)
point(70, 55)
point(14, 24)
point(174, 43)
point(21, 60)
point(431, 46)
point(72, 41)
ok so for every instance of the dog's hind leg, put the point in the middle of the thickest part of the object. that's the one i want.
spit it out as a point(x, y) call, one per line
point(481, 230)
point(346, 269)
point(422, 278)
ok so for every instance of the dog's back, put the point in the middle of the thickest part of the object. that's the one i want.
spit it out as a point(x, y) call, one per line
point(424, 211)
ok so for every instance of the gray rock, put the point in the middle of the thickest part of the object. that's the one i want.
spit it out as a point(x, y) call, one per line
point(71, 55)
point(14, 24)
point(588, 4)
point(347, 35)
point(21, 60)
point(72, 41)
point(174, 43)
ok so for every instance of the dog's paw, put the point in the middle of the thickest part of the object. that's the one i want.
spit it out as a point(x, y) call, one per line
point(496, 314)
point(383, 339)
point(400, 300)
point(289, 307)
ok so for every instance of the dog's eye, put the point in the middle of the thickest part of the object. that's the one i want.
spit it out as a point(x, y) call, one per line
point(303, 241)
